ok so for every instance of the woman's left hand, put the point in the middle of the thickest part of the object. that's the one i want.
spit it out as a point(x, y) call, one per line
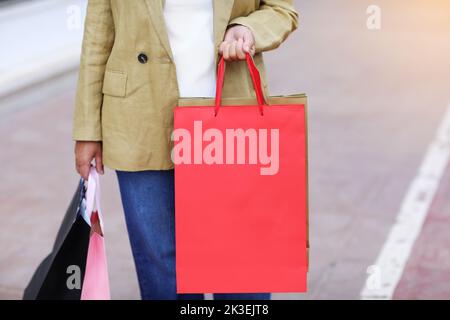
point(238, 41)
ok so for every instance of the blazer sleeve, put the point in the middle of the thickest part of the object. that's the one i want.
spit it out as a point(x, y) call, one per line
point(271, 23)
point(98, 40)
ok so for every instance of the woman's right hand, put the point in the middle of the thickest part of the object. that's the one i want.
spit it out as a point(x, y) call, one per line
point(85, 152)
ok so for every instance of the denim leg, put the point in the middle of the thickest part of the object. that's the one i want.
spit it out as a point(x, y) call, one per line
point(242, 296)
point(148, 203)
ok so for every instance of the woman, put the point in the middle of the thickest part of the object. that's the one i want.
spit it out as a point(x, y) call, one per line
point(138, 58)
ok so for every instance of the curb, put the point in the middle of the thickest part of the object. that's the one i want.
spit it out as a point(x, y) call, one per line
point(52, 66)
point(58, 55)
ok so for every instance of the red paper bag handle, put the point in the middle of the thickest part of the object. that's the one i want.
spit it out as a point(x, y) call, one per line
point(256, 79)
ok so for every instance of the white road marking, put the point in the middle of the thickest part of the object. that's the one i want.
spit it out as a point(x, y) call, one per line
point(397, 248)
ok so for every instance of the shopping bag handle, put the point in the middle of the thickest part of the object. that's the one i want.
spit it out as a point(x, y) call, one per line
point(256, 80)
point(93, 195)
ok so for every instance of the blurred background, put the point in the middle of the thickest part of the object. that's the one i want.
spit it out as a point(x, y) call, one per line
point(377, 74)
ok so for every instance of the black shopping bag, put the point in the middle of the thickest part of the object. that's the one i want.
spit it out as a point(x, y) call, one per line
point(56, 276)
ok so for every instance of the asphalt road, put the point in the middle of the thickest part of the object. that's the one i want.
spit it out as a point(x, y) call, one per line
point(375, 101)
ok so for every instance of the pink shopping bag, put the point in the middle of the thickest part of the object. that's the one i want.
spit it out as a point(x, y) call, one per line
point(96, 282)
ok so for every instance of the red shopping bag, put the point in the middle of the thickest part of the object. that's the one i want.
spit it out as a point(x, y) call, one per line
point(241, 193)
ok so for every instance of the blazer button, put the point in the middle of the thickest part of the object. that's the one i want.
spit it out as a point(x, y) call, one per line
point(142, 58)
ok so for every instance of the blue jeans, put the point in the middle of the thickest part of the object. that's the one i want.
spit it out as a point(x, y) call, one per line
point(148, 203)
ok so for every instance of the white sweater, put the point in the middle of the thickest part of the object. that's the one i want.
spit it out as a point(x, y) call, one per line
point(190, 29)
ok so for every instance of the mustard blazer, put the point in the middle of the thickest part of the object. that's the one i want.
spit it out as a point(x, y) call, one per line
point(127, 85)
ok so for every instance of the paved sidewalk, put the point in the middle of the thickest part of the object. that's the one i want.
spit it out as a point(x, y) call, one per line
point(376, 99)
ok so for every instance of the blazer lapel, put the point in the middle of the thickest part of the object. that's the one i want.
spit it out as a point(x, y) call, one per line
point(222, 12)
point(155, 8)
